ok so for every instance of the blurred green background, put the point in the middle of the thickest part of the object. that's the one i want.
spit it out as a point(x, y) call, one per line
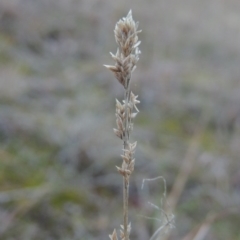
point(57, 109)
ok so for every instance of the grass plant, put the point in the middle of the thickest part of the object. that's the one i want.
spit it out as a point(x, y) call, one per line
point(127, 55)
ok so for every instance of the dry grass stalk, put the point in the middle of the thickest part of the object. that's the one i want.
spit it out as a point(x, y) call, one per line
point(127, 55)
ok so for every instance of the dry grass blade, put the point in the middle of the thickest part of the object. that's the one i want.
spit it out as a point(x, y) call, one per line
point(201, 231)
point(127, 55)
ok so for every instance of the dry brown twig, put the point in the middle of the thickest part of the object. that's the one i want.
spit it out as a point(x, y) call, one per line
point(127, 55)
